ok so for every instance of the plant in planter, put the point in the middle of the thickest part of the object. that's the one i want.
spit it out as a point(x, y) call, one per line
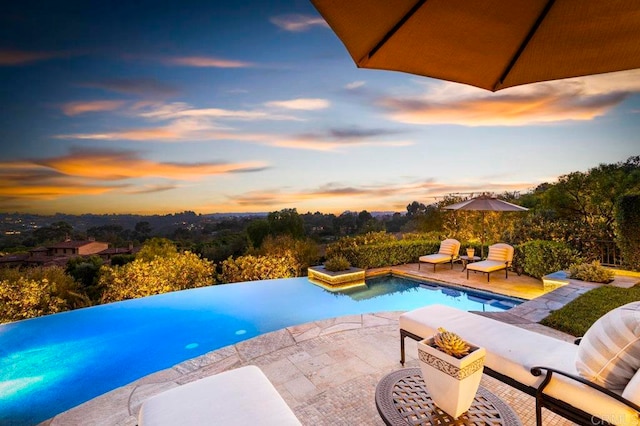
point(592, 272)
point(452, 369)
point(338, 263)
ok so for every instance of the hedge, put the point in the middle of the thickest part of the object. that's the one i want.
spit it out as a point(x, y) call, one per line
point(628, 230)
point(383, 254)
point(539, 258)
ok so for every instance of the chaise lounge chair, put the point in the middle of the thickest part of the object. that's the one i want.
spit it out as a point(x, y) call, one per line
point(448, 252)
point(500, 257)
point(595, 383)
point(243, 396)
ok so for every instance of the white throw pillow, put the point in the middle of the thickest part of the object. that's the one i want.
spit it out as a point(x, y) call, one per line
point(609, 353)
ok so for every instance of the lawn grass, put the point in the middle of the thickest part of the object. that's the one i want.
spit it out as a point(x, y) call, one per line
point(577, 316)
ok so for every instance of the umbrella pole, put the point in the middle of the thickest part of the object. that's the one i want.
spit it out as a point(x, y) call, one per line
point(482, 238)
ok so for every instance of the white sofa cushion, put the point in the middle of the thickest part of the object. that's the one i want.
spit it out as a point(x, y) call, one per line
point(237, 397)
point(609, 352)
point(512, 351)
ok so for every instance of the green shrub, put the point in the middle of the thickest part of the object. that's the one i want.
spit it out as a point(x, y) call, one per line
point(388, 253)
point(33, 292)
point(592, 272)
point(253, 268)
point(539, 258)
point(142, 278)
point(628, 230)
point(338, 263)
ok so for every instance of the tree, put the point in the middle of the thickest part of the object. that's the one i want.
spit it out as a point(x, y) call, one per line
point(157, 247)
point(57, 232)
point(86, 272)
point(257, 231)
point(415, 209)
point(286, 222)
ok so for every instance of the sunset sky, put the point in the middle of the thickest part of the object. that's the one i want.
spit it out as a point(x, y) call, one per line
point(224, 106)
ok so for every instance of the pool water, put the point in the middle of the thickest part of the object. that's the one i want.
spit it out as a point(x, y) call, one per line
point(53, 363)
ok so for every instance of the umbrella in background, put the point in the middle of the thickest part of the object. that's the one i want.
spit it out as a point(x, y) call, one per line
point(485, 203)
point(491, 44)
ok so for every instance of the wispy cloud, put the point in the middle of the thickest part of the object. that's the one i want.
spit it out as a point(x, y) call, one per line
point(298, 22)
point(573, 99)
point(82, 107)
point(206, 62)
point(95, 172)
point(354, 85)
point(337, 139)
point(24, 57)
point(384, 194)
point(147, 87)
point(307, 104)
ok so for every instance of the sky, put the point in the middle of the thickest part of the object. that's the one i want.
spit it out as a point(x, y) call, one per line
point(155, 107)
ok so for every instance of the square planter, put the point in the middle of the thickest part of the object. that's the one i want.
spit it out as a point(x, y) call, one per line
point(451, 382)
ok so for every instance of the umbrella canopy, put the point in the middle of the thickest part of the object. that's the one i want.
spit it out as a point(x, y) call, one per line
point(492, 44)
point(485, 203)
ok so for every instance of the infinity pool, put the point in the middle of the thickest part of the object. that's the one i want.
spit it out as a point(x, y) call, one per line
point(53, 363)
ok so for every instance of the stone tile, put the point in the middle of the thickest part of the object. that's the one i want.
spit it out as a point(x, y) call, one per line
point(310, 333)
point(264, 344)
point(336, 328)
point(206, 359)
point(280, 371)
point(315, 363)
point(208, 370)
point(301, 387)
point(108, 409)
point(372, 320)
point(143, 392)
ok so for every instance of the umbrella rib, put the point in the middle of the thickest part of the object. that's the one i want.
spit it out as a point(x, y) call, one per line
point(396, 27)
point(524, 44)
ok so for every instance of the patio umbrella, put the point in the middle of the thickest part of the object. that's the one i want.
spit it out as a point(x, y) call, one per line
point(491, 44)
point(485, 203)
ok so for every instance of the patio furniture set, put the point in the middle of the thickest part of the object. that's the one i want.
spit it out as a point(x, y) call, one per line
point(500, 257)
point(593, 382)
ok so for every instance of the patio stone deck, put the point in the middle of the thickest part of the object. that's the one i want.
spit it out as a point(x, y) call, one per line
point(327, 370)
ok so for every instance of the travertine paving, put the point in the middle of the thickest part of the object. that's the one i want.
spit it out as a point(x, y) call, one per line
point(327, 370)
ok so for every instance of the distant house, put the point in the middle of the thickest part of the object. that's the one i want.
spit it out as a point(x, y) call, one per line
point(77, 248)
point(60, 253)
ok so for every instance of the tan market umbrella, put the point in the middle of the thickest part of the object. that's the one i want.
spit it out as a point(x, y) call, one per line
point(492, 44)
point(485, 203)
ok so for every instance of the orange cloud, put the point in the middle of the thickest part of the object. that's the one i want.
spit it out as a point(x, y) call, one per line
point(118, 165)
point(82, 107)
point(207, 62)
point(82, 172)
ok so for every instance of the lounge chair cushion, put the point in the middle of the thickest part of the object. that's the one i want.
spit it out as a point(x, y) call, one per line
point(609, 352)
point(500, 253)
point(436, 258)
point(487, 266)
point(512, 351)
point(237, 397)
point(449, 247)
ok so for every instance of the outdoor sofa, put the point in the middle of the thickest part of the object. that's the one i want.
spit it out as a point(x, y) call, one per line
point(447, 253)
point(500, 257)
point(594, 383)
point(243, 396)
